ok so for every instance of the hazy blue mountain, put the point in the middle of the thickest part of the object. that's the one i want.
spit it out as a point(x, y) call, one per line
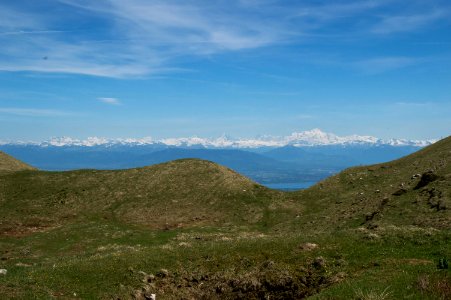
point(256, 166)
point(260, 168)
point(56, 158)
point(306, 157)
point(366, 154)
point(288, 164)
point(340, 156)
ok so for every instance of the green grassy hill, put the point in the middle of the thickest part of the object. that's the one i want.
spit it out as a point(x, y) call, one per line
point(414, 190)
point(178, 194)
point(193, 229)
point(9, 163)
point(392, 221)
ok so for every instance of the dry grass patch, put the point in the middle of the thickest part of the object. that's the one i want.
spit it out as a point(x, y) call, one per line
point(438, 285)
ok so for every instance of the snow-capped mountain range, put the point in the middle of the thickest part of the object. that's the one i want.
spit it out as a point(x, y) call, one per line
point(314, 137)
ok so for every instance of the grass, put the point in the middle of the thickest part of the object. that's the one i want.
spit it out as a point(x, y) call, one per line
point(373, 294)
point(9, 164)
point(108, 234)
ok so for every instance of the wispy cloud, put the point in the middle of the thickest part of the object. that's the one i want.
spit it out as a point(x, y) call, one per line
point(413, 104)
point(31, 32)
point(14, 20)
point(402, 23)
point(137, 38)
point(304, 117)
point(188, 26)
point(33, 112)
point(385, 64)
point(330, 11)
point(276, 94)
point(110, 101)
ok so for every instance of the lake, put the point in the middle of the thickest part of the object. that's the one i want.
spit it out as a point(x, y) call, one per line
point(290, 186)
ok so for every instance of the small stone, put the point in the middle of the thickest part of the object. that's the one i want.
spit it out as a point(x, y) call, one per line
point(372, 236)
point(149, 278)
point(163, 273)
point(340, 276)
point(268, 264)
point(3, 271)
point(150, 296)
point(308, 246)
point(20, 264)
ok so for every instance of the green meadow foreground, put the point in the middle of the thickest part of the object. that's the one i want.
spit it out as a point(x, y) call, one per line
point(191, 229)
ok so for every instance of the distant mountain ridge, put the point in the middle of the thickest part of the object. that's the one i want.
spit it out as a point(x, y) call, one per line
point(314, 137)
point(304, 157)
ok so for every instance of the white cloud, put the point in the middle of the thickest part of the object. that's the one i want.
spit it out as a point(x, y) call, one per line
point(333, 11)
point(403, 23)
point(188, 26)
point(413, 104)
point(304, 117)
point(110, 101)
point(385, 64)
point(136, 38)
point(23, 32)
point(33, 112)
point(13, 20)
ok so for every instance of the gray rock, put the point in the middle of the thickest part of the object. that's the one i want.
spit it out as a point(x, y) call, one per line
point(425, 179)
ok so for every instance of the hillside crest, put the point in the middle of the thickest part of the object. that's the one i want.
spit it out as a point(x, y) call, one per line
point(9, 163)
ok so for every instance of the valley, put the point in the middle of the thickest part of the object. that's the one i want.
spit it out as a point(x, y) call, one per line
point(284, 166)
point(191, 228)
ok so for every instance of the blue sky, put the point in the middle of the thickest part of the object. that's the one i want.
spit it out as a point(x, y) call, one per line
point(167, 68)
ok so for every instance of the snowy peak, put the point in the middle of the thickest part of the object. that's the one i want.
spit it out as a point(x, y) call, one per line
point(91, 141)
point(317, 137)
point(314, 137)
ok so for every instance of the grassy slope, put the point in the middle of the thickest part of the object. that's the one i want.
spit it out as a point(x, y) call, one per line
point(89, 233)
point(352, 196)
point(179, 194)
point(9, 163)
point(393, 241)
